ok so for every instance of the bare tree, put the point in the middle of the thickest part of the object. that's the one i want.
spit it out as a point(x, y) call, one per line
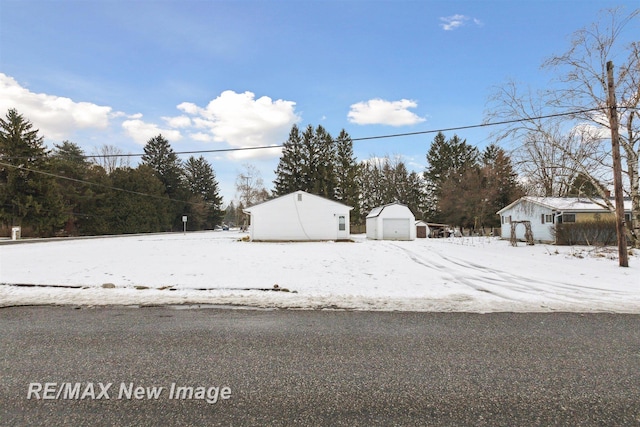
point(249, 189)
point(579, 138)
point(250, 186)
point(110, 158)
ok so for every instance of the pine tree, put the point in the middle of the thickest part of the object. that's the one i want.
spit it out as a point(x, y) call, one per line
point(309, 157)
point(167, 167)
point(289, 171)
point(28, 197)
point(144, 207)
point(164, 162)
point(324, 178)
point(68, 160)
point(502, 182)
point(448, 161)
point(347, 188)
point(201, 183)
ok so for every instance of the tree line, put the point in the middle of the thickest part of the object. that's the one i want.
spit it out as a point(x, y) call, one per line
point(461, 186)
point(63, 191)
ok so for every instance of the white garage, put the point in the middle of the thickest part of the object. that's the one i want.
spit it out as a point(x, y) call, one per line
point(394, 221)
point(299, 216)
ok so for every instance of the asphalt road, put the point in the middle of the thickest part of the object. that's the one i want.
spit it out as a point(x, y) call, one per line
point(252, 367)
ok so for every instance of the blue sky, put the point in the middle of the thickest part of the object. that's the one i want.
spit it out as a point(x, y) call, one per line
point(223, 74)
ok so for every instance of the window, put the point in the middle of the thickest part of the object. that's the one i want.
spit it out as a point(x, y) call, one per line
point(548, 218)
point(568, 217)
point(342, 225)
point(627, 217)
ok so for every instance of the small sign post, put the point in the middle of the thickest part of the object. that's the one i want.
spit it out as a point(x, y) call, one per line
point(184, 224)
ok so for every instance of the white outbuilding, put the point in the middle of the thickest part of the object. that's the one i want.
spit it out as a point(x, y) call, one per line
point(394, 221)
point(299, 216)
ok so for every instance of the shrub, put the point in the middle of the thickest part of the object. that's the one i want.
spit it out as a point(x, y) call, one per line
point(598, 232)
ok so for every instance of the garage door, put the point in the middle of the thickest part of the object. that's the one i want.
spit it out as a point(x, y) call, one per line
point(395, 229)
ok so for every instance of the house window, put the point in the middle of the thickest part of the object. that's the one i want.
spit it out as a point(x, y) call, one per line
point(342, 225)
point(627, 217)
point(568, 217)
point(548, 218)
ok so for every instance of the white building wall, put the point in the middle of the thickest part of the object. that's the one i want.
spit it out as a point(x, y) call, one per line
point(527, 211)
point(298, 216)
point(372, 228)
point(375, 225)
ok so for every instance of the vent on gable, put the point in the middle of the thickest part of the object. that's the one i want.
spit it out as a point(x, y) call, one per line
point(299, 197)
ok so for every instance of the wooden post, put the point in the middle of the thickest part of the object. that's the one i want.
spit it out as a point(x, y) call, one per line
point(623, 255)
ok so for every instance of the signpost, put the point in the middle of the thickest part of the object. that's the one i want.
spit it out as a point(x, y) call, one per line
point(184, 224)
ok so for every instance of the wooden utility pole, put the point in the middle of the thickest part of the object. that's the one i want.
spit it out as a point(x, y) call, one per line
point(623, 255)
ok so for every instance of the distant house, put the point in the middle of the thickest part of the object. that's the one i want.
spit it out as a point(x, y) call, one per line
point(543, 213)
point(394, 221)
point(299, 216)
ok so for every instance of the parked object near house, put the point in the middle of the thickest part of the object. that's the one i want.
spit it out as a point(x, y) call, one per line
point(394, 221)
point(422, 230)
point(299, 216)
point(545, 214)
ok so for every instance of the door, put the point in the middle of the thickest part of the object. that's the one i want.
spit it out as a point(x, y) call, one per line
point(395, 228)
point(343, 227)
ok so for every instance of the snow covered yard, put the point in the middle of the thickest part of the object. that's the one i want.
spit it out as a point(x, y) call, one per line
point(457, 274)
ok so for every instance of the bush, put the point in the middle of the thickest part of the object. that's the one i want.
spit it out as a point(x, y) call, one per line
point(599, 232)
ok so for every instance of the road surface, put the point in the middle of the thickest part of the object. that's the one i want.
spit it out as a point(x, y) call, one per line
point(210, 366)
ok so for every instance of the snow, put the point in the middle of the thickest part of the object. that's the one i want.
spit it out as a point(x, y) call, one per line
point(468, 274)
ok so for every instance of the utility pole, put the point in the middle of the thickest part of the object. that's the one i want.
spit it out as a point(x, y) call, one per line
point(623, 255)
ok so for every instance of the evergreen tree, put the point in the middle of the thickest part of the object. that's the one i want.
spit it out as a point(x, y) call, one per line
point(324, 176)
point(143, 208)
point(502, 180)
point(309, 157)
point(167, 167)
point(289, 172)
point(28, 197)
point(201, 182)
point(448, 161)
point(68, 160)
point(347, 188)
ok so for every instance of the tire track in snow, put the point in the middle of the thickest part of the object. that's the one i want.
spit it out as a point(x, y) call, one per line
point(496, 282)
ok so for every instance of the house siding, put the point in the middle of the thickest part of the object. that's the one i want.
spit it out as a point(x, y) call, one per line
point(527, 211)
point(400, 223)
point(298, 216)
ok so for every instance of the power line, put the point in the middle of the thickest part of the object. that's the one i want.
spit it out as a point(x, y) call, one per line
point(365, 138)
point(96, 184)
point(266, 147)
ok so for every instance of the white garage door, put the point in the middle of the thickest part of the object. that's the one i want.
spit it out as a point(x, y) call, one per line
point(395, 229)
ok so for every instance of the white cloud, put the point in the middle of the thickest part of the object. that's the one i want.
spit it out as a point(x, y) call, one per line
point(379, 111)
point(178, 122)
point(201, 137)
point(141, 132)
point(450, 23)
point(56, 117)
point(241, 121)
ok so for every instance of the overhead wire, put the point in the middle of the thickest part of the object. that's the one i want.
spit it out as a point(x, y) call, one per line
point(221, 150)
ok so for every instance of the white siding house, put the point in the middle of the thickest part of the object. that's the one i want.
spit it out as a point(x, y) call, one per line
point(544, 212)
point(391, 222)
point(299, 216)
